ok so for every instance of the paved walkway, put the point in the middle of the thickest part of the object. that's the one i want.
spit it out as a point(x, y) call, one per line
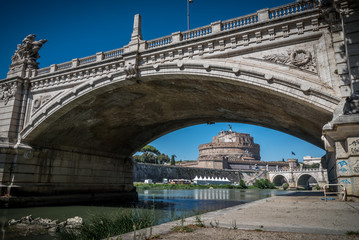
point(299, 213)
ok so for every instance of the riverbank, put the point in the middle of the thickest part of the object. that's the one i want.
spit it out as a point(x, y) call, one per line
point(302, 213)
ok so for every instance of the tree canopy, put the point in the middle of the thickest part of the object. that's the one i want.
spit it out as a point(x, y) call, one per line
point(150, 154)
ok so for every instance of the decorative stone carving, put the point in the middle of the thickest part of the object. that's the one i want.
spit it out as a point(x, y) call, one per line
point(28, 51)
point(298, 57)
point(7, 91)
point(285, 30)
point(245, 40)
point(352, 104)
point(131, 71)
point(271, 33)
point(38, 102)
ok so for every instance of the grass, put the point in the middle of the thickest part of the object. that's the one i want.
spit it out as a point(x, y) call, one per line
point(352, 233)
point(101, 226)
point(188, 228)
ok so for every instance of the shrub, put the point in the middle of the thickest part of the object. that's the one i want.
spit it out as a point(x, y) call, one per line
point(99, 226)
point(264, 184)
point(242, 184)
point(285, 186)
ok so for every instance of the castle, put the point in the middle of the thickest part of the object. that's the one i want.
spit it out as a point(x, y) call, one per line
point(232, 150)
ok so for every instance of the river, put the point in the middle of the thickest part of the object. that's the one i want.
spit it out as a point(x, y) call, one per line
point(169, 204)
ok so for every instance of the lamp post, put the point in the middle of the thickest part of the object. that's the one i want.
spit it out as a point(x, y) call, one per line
point(188, 2)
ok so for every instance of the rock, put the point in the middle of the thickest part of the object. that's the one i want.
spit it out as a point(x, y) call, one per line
point(75, 222)
point(62, 224)
point(54, 223)
point(53, 229)
point(26, 220)
point(12, 222)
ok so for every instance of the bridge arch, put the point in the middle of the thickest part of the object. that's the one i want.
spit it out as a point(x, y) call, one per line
point(279, 179)
point(116, 113)
point(306, 181)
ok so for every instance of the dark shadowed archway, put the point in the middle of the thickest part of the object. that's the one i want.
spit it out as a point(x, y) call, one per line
point(279, 180)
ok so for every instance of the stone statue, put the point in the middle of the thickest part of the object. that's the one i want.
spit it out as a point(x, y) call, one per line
point(28, 51)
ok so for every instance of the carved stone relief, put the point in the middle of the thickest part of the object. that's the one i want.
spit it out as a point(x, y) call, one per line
point(298, 57)
point(131, 71)
point(7, 91)
point(40, 101)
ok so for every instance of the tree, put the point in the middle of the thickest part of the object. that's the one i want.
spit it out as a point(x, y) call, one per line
point(162, 158)
point(150, 154)
point(173, 160)
point(150, 149)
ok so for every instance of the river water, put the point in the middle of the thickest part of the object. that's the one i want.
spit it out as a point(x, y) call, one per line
point(168, 204)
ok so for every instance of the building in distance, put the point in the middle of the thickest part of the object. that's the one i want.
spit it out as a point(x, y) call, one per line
point(232, 150)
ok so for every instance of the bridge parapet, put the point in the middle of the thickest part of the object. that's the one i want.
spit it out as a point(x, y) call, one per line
point(297, 170)
point(260, 16)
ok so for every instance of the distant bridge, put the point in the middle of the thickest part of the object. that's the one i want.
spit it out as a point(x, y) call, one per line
point(299, 178)
point(71, 128)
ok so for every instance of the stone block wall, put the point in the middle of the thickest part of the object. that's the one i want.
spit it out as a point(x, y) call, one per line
point(47, 172)
point(155, 172)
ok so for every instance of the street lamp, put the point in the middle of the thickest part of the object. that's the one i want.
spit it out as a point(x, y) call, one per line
point(188, 2)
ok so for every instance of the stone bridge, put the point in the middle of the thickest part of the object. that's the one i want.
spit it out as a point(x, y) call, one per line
point(71, 128)
point(298, 178)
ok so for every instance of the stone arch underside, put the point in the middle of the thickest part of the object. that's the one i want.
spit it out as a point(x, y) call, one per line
point(121, 117)
point(306, 181)
point(278, 180)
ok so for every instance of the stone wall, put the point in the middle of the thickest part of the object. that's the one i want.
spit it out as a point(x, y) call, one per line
point(155, 172)
point(55, 173)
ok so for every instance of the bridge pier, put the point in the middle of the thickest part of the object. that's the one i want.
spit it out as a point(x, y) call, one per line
point(47, 176)
point(341, 137)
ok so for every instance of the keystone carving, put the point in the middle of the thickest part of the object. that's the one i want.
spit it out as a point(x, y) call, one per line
point(28, 51)
point(7, 92)
point(41, 101)
point(299, 58)
point(131, 71)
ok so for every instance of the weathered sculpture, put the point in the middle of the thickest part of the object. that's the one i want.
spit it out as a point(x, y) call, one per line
point(28, 51)
point(25, 55)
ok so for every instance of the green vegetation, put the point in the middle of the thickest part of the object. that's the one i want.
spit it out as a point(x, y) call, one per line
point(199, 222)
point(353, 233)
point(150, 154)
point(100, 226)
point(145, 186)
point(264, 184)
point(182, 229)
point(173, 160)
point(314, 165)
point(234, 224)
point(285, 186)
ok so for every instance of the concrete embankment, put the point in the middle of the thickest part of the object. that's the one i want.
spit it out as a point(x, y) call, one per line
point(293, 215)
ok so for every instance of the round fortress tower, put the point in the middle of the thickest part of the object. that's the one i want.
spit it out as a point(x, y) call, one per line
point(228, 147)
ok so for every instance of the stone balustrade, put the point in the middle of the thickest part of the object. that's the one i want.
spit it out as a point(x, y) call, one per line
point(297, 170)
point(197, 33)
point(159, 42)
point(239, 22)
point(290, 9)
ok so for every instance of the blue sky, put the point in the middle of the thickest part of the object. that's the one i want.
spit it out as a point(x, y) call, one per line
point(76, 29)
